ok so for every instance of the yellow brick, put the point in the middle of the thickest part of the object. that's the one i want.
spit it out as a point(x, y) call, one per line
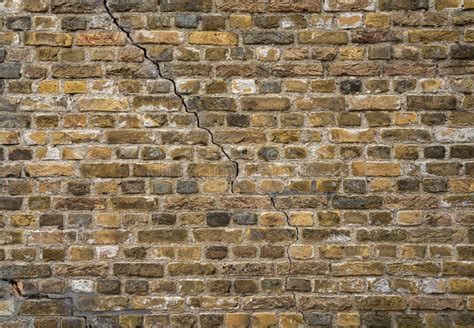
point(443, 4)
point(410, 217)
point(291, 320)
point(22, 220)
point(322, 37)
point(48, 170)
point(264, 320)
point(433, 36)
point(237, 320)
point(48, 39)
point(214, 38)
point(432, 85)
point(157, 37)
point(469, 35)
point(301, 219)
point(189, 253)
point(9, 138)
point(353, 135)
point(349, 20)
point(348, 320)
point(48, 87)
point(215, 186)
point(108, 220)
point(468, 4)
point(376, 169)
point(352, 53)
point(34, 138)
point(405, 118)
point(75, 86)
point(101, 39)
point(301, 252)
point(272, 219)
point(240, 21)
point(377, 20)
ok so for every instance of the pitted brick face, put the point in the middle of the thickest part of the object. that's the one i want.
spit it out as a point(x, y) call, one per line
point(217, 163)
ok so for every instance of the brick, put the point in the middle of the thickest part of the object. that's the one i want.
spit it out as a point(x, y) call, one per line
point(48, 39)
point(374, 103)
point(403, 4)
point(462, 51)
point(9, 138)
point(100, 39)
point(213, 38)
point(376, 169)
point(358, 269)
point(111, 170)
point(75, 72)
point(10, 71)
point(157, 37)
point(431, 103)
point(433, 35)
point(138, 270)
point(341, 5)
point(46, 307)
point(74, 6)
point(102, 105)
point(322, 37)
point(139, 6)
point(380, 303)
point(47, 170)
point(264, 104)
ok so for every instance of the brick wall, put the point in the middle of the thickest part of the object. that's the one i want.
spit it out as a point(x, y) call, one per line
point(236, 163)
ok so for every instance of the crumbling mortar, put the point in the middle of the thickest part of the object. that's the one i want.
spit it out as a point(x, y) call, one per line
point(211, 135)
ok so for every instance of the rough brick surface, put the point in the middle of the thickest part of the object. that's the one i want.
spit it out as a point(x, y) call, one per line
point(218, 163)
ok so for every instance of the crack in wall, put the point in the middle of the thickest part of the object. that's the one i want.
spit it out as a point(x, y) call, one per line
point(234, 162)
point(14, 285)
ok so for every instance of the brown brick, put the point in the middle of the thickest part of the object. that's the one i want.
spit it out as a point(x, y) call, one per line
point(46, 307)
point(100, 39)
point(213, 38)
point(111, 170)
point(48, 39)
point(322, 37)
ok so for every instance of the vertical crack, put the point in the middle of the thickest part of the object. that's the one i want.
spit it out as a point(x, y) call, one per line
point(14, 285)
point(290, 261)
point(221, 147)
point(175, 91)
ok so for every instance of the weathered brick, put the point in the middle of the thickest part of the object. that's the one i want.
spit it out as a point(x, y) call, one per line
point(374, 103)
point(47, 170)
point(138, 269)
point(213, 38)
point(48, 39)
point(60, 307)
point(111, 170)
point(433, 35)
point(100, 39)
point(403, 4)
point(380, 303)
point(157, 37)
point(74, 6)
point(322, 37)
point(358, 269)
point(431, 102)
point(262, 37)
point(16, 271)
point(10, 71)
